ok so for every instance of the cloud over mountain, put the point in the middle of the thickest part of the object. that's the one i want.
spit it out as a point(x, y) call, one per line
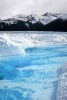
point(10, 8)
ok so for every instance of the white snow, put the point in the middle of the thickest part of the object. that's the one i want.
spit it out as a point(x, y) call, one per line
point(33, 18)
point(48, 17)
point(63, 16)
point(10, 21)
point(44, 19)
point(21, 17)
point(9, 47)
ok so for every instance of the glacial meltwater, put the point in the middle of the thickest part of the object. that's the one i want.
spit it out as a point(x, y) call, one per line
point(33, 66)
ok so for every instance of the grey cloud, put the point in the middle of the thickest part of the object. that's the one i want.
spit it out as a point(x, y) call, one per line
point(10, 8)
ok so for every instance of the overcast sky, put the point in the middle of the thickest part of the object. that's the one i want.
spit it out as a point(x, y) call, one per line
point(10, 8)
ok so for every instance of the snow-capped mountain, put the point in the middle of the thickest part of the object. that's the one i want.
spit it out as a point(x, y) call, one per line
point(58, 24)
point(20, 17)
point(46, 18)
point(33, 22)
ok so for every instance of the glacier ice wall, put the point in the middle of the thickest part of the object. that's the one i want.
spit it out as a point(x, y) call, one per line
point(9, 47)
point(62, 85)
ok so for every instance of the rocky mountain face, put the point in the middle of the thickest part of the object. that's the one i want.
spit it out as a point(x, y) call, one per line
point(46, 22)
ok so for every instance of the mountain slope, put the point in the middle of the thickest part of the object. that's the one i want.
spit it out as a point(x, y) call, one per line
point(48, 17)
point(59, 24)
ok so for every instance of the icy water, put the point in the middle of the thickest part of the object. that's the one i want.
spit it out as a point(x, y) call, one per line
point(30, 64)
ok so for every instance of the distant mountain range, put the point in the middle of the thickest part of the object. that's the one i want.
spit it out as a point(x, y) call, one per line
point(46, 22)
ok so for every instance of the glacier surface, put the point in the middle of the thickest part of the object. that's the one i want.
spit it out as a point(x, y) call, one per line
point(33, 66)
point(22, 40)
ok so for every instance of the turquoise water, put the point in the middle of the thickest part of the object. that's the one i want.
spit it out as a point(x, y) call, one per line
point(33, 76)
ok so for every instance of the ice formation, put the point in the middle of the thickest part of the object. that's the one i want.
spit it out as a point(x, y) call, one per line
point(12, 44)
point(62, 85)
point(9, 47)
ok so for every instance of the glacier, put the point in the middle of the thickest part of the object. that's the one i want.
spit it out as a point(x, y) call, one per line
point(17, 43)
point(33, 65)
point(62, 84)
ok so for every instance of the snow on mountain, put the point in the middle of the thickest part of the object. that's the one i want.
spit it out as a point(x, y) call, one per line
point(20, 17)
point(48, 17)
point(57, 24)
point(46, 22)
point(30, 18)
point(33, 18)
point(44, 19)
point(63, 16)
point(10, 21)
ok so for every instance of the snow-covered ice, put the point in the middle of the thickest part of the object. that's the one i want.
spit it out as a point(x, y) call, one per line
point(21, 41)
